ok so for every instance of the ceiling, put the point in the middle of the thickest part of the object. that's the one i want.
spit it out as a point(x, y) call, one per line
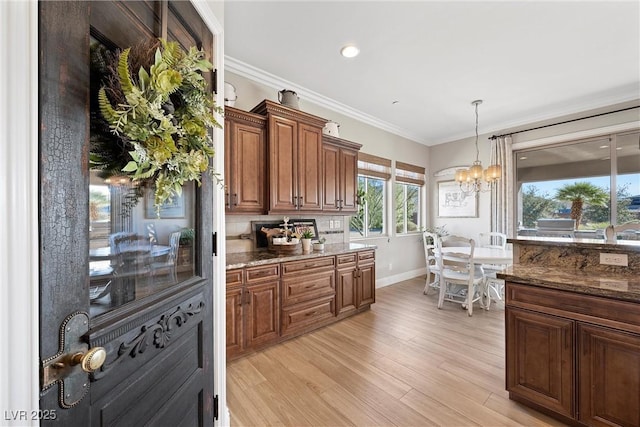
point(527, 60)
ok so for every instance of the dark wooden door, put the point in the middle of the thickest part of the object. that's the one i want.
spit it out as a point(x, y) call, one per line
point(154, 324)
point(609, 369)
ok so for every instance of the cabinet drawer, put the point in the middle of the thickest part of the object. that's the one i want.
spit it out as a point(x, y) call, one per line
point(307, 287)
point(234, 277)
point(255, 274)
point(346, 259)
point(367, 256)
point(307, 315)
point(599, 310)
point(308, 265)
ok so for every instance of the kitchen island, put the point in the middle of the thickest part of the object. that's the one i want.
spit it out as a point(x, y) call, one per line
point(573, 329)
point(273, 296)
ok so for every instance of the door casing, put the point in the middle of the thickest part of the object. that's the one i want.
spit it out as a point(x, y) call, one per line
point(19, 306)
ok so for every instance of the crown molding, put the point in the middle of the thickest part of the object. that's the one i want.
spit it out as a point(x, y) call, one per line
point(270, 80)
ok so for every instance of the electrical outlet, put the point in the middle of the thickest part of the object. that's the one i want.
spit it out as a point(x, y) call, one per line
point(337, 223)
point(614, 259)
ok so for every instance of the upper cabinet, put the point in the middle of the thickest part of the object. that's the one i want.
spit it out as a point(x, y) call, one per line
point(295, 158)
point(340, 186)
point(245, 162)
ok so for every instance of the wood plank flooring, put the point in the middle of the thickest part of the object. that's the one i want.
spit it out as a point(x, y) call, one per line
point(402, 363)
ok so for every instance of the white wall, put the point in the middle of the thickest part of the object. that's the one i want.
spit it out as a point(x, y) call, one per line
point(403, 254)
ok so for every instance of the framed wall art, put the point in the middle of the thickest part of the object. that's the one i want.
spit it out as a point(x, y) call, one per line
point(454, 203)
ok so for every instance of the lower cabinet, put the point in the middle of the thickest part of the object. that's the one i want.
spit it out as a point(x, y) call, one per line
point(253, 308)
point(572, 355)
point(355, 281)
point(308, 294)
point(274, 302)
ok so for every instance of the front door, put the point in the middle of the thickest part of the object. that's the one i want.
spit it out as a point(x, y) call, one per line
point(125, 290)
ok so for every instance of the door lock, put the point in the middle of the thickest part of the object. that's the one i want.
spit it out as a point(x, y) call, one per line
point(70, 365)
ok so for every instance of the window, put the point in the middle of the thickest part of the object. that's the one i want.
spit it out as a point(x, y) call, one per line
point(409, 182)
point(373, 174)
point(594, 182)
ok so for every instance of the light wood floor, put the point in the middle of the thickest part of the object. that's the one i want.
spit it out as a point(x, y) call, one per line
point(402, 363)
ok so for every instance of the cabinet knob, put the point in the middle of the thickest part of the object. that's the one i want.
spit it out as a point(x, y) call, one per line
point(300, 203)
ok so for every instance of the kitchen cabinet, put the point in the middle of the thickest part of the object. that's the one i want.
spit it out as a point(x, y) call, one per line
point(340, 186)
point(308, 294)
point(355, 281)
point(346, 287)
point(553, 335)
point(245, 162)
point(253, 308)
point(294, 157)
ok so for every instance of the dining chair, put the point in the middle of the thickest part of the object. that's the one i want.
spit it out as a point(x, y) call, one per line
point(494, 287)
point(461, 281)
point(169, 265)
point(629, 231)
point(431, 243)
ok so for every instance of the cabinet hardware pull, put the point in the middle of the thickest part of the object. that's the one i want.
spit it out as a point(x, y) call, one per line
point(301, 203)
point(312, 313)
point(235, 199)
point(227, 203)
point(310, 286)
point(248, 297)
point(295, 202)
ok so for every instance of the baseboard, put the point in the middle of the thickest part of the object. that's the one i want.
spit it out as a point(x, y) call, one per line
point(390, 280)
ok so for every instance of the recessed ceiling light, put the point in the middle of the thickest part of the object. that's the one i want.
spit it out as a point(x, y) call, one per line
point(349, 51)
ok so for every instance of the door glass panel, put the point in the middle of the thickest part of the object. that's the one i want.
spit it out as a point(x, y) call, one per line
point(135, 251)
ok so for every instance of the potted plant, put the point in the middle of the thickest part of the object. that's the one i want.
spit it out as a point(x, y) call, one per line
point(305, 237)
point(319, 245)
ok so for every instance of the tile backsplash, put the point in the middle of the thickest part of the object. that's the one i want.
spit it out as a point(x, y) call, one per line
point(239, 236)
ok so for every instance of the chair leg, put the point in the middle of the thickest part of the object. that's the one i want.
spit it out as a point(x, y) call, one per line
point(443, 290)
point(470, 300)
point(427, 284)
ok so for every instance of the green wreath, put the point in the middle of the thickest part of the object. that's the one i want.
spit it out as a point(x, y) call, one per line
point(162, 118)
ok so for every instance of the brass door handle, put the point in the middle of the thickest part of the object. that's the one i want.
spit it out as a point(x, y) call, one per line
point(90, 361)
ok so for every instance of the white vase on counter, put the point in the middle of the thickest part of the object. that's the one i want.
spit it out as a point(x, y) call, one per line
point(306, 245)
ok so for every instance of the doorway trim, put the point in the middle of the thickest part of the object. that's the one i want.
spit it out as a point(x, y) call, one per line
point(19, 245)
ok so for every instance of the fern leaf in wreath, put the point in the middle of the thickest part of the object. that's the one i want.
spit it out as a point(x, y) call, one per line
point(123, 72)
point(105, 107)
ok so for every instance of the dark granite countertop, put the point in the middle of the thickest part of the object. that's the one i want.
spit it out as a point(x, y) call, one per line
point(262, 257)
point(597, 244)
point(622, 287)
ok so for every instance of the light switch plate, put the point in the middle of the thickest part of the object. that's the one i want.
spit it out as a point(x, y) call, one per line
point(614, 259)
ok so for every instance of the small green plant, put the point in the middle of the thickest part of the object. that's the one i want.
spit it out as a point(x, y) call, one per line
point(322, 240)
point(306, 233)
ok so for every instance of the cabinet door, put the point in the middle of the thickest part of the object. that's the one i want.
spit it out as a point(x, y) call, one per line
point(263, 313)
point(283, 135)
point(348, 181)
point(366, 284)
point(346, 290)
point(309, 197)
point(235, 338)
point(609, 368)
point(331, 183)
point(540, 359)
point(246, 192)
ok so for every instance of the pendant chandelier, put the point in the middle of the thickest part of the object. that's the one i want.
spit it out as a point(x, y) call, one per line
point(476, 179)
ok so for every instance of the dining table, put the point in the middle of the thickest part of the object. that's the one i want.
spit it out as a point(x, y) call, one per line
point(483, 255)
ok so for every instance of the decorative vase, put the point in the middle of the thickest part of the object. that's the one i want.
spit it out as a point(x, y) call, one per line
point(318, 247)
point(306, 245)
